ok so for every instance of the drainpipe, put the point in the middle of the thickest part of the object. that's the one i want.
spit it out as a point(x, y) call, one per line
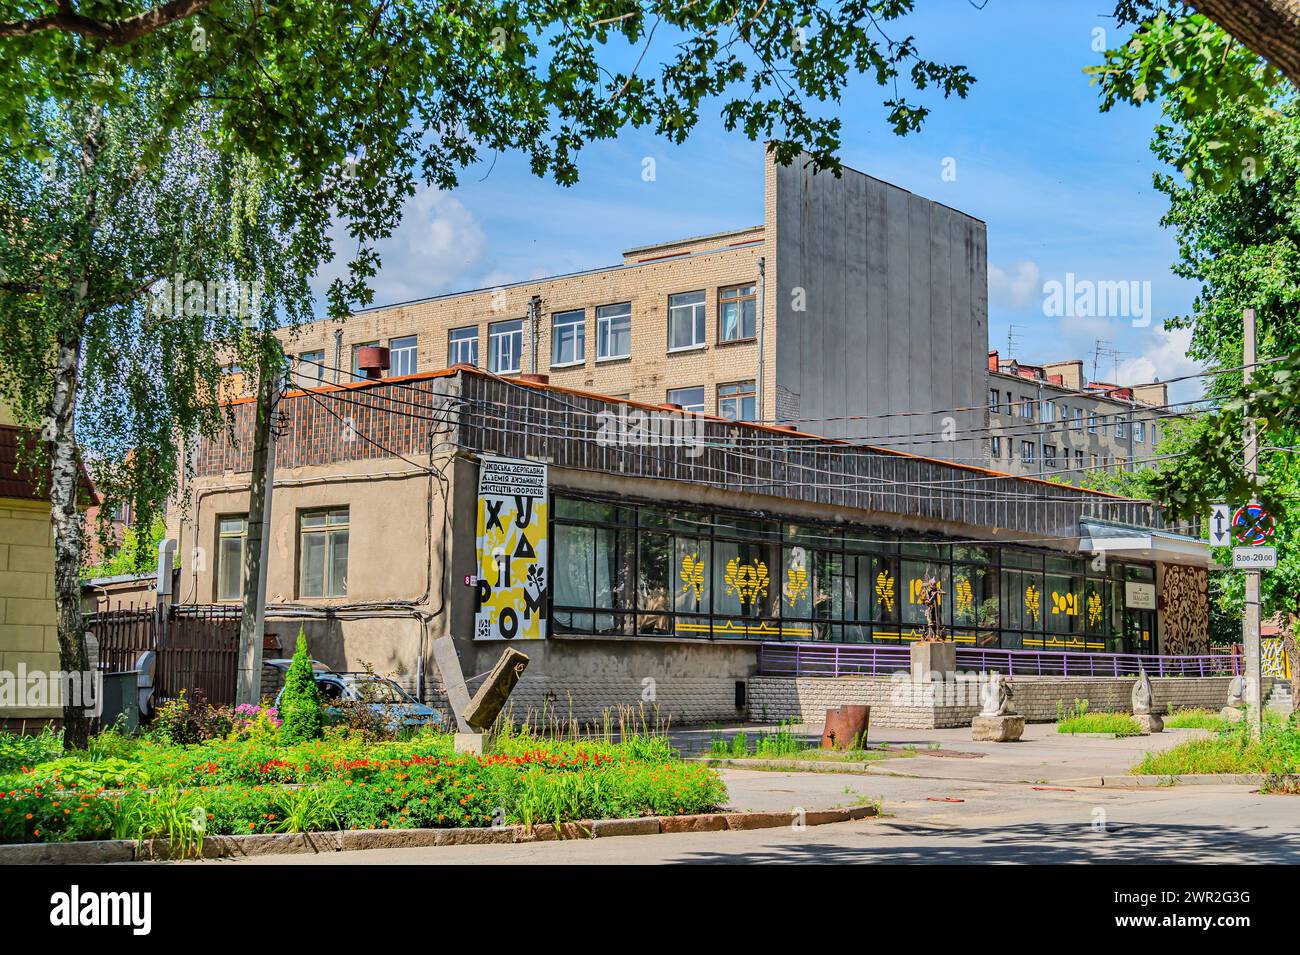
point(535, 316)
point(762, 302)
point(1042, 469)
point(338, 353)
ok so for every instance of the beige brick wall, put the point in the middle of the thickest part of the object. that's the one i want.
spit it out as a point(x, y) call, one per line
point(646, 282)
point(28, 623)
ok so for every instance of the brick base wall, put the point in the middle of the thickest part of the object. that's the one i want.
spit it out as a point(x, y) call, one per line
point(902, 704)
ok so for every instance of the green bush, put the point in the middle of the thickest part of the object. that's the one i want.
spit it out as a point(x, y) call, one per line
point(300, 706)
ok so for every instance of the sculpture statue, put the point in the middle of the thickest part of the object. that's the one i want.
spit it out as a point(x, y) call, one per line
point(931, 594)
point(1142, 695)
point(1236, 691)
point(996, 696)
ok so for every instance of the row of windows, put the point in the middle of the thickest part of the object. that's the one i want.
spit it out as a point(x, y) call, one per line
point(737, 322)
point(623, 570)
point(737, 400)
point(322, 554)
point(1055, 457)
point(1051, 412)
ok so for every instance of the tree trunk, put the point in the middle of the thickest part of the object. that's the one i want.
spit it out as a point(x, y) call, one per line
point(1270, 28)
point(252, 621)
point(61, 443)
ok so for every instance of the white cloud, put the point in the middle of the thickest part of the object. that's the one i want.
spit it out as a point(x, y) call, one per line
point(1016, 286)
point(437, 245)
point(1164, 356)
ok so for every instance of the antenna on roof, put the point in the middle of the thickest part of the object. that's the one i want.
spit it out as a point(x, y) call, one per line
point(1012, 333)
point(1100, 348)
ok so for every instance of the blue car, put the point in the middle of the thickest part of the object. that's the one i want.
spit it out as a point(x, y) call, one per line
point(398, 708)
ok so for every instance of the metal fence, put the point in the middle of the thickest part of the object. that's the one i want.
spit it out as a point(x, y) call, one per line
point(833, 660)
point(197, 648)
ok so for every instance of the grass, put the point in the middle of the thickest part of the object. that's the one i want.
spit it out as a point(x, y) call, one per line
point(1231, 750)
point(1195, 719)
point(138, 788)
point(1077, 719)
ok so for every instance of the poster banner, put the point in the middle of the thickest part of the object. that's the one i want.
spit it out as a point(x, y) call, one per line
point(512, 551)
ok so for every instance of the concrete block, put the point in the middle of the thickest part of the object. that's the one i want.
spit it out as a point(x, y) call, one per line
point(743, 821)
point(603, 828)
point(997, 729)
point(706, 822)
point(1150, 723)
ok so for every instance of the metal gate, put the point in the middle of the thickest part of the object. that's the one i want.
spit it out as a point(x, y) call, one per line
point(197, 648)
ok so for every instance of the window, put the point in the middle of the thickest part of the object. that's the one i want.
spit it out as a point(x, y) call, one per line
point(737, 313)
point(323, 553)
point(357, 373)
point(1078, 459)
point(462, 346)
point(1139, 431)
point(1121, 428)
point(232, 531)
point(685, 320)
point(1078, 418)
point(1049, 411)
point(505, 346)
point(1027, 452)
point(993, 399)
point(737, 401)
point(995, 447)
point(691, 399)
point(1026, 408)
point(1092, 462)
point(401, 356)
point(1092, 422)
point(1049, 456)
point(311, 369)
point(568, 337)
point(614, 331)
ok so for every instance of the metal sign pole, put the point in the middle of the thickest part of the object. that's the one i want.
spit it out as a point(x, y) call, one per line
point(1250, 623)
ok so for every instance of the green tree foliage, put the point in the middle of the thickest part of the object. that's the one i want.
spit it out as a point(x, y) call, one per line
point(300, 705)
point(132, 555)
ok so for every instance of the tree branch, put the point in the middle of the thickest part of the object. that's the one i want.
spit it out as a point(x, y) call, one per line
point(1270, 28)
point(115, 32)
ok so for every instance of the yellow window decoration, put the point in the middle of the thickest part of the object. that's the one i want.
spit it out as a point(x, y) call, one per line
point(1094, 609)
point(1066, 603)
point(885, 590)
point(1032, 602)
point(965, 596)
point(692, 575)
point(748, 581)
point(796, 584)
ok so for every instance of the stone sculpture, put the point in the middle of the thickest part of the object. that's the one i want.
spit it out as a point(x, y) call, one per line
point(1142, 697)
point(997, 722)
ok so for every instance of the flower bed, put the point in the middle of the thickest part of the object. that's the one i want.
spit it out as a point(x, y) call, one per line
point(140, 789)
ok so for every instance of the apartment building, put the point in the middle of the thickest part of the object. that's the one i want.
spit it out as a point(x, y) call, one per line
point(1049, 420)
point(853, 301)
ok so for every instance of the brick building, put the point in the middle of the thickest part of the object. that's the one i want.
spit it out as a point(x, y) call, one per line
point(1049, 420)
point(855, 299)
point(669, 566)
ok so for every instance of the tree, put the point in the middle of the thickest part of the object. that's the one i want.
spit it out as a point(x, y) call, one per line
point(300, 706)
point(134, 261)
point(322, 110)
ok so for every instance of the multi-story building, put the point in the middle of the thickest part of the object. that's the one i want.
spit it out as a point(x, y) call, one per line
point(1049, 420)
point(855, 300)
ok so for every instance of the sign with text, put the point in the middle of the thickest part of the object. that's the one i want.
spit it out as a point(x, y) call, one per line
point(1139, 596)
point(1254, 558)
point(510, 602)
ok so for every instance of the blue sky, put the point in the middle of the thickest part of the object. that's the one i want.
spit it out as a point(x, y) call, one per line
point(1063, 188)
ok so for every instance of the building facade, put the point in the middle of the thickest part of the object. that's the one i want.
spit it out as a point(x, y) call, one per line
point(669, 562)
point(853, 302)
point(1050, 421)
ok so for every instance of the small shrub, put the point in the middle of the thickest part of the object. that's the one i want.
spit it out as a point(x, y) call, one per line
point(300, 704)
point(1190, 718)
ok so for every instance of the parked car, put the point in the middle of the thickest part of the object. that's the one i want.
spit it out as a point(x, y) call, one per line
point(380, 694)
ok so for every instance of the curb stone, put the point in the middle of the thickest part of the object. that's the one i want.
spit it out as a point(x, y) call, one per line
point(261, 844)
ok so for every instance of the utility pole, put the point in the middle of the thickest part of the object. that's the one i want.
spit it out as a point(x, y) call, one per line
point(252, 623)
point(1250, 623)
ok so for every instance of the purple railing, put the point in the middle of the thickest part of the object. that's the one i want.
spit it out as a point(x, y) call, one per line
point(875, 659)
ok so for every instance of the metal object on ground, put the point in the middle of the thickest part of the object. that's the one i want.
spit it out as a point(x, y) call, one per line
point(846, 727)
point(492, 695)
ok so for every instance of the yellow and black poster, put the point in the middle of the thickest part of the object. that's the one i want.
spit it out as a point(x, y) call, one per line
point(512, 551)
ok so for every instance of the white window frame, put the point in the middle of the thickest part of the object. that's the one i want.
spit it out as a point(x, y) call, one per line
point(224, 535)
point(500, 333)
point(1027, 452)
point(606, 317)
point(572, 319)
point(457, 345)
point(675, 396)
point(1140, 431)
point(310, 372)
point(403, 354)
point(330, 529)
point(692, 312)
